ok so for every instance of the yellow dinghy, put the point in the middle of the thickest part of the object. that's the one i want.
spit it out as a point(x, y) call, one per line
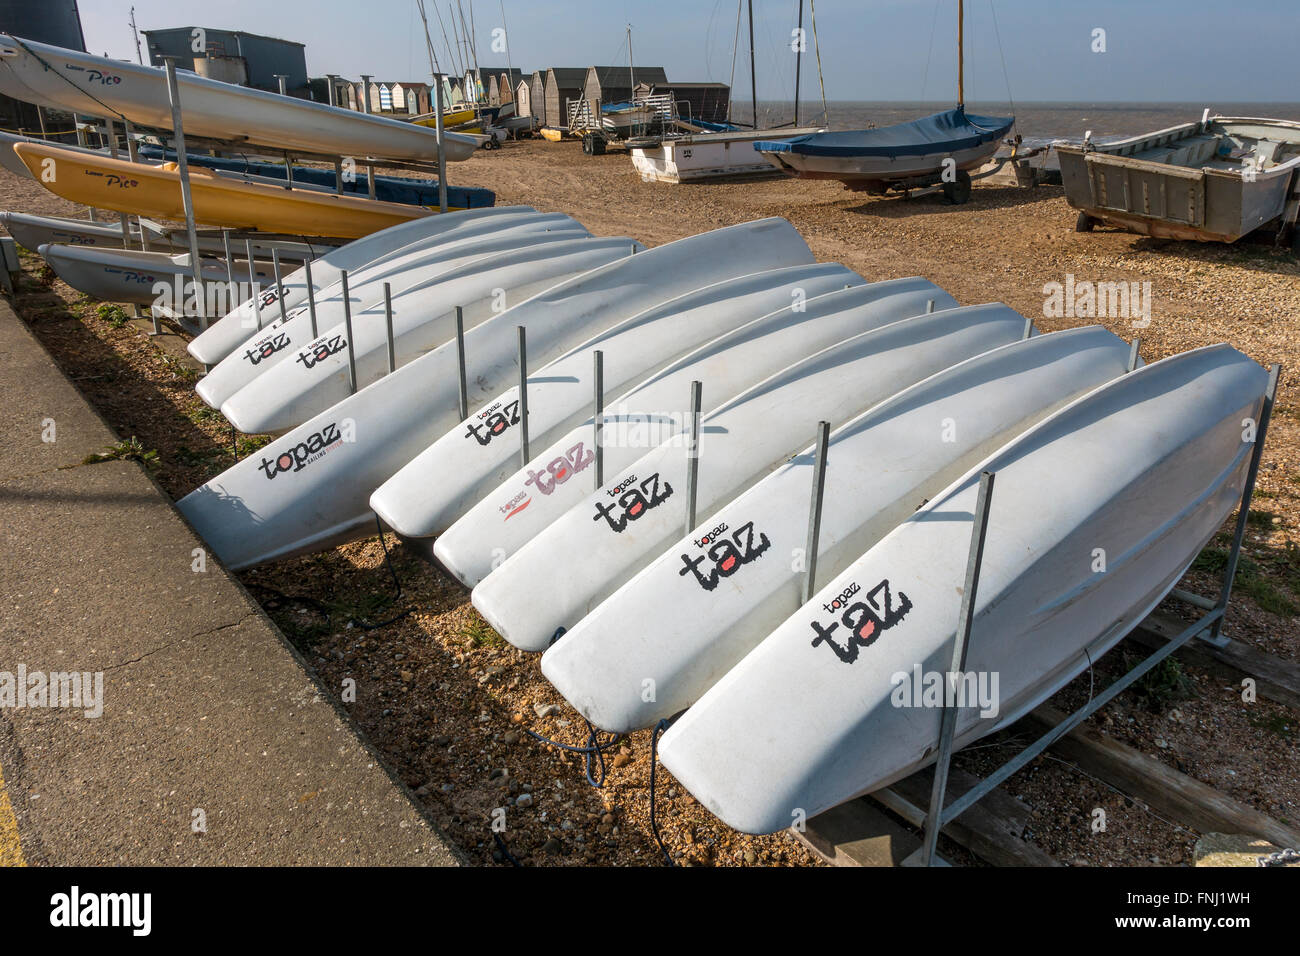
point(449, 118)
point(155, 192)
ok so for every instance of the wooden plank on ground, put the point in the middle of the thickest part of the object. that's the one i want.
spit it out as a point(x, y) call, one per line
point(1276, 679)
point(1183, 799)
point(858, 834)
point(991, 829)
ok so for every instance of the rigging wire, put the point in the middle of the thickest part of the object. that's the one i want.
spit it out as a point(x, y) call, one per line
point(735, 44)
point(1007, 79)
point(929, 53)
point(821, 81)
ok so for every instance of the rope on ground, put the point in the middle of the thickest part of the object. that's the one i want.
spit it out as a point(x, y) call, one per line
point(654, 761)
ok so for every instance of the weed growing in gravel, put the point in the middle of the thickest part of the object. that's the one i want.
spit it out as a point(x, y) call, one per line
point(128, 449)
point(479, 633)
point(1162, 686)
point(114, 315)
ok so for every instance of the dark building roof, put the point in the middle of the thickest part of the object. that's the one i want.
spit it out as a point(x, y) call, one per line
point(620, 77)
point(568, 75)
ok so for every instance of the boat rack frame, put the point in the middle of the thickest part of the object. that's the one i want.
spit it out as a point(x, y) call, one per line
point(1208, 626)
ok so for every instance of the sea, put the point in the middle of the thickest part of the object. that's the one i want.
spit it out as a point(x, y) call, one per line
point(1036, 122)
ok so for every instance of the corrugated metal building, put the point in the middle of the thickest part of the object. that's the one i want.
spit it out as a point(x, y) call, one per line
point(563, 83)
point(262, 57)
point(48, 21)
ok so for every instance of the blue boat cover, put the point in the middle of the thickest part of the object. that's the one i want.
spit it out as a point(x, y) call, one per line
point(413, 192)
point(943, 132)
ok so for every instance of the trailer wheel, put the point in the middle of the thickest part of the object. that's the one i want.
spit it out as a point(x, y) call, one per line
point(1084, 223)
point(597, 145)
point(587, 144)
point(958, 192)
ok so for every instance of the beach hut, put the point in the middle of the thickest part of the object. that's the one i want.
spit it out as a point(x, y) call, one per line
point(563, 83)
point(410, 98)
point(524, 98)
point(608, 85)
point(508, 82)
point(537, 96)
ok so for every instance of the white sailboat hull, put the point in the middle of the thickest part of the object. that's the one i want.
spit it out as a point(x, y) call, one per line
point(697, 609)
point(93, 85)
point(557, 578)
point(447, 478)
point(423, 319)
point(226, 334)
point(526, 503)
point(407, 271)
point(1138, 474)
point(310, 488)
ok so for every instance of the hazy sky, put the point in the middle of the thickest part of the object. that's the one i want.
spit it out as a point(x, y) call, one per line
point(1208, 51)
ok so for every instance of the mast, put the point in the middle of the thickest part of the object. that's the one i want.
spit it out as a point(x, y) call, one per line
point(753, 80)
point(136, 32)
point(631, 70)
point(961, 54)
point(798, 65)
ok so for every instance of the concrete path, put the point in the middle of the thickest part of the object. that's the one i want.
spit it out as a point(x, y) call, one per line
point(214, 746)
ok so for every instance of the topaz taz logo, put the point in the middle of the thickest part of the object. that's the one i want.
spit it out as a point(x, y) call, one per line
point(560, 469)
point(266, 348)
point(320, 351)
point(74, 908)
point(491, 422)
point(634, 500)
point(865, 619)
point(727, 554)
point(303, 453)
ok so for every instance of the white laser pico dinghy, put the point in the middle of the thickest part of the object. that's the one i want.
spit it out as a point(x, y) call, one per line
point(81, 83)
point(655, 409)
point(425, 271)
point(452, 474)
point(697, 609)
point(1142, 471)
point(229, 332)
point(310, 488)
point(132, 275)
point(555, 579)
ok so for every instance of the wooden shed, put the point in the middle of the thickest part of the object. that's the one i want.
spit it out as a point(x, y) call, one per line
point(700, 101)
point(508, 82)
point(411, 98)
point(537, 96)
point(615, 84)
point(563, 83)
point(524, 98)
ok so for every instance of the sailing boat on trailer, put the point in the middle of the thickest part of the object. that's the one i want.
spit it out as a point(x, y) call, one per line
point(942, 148)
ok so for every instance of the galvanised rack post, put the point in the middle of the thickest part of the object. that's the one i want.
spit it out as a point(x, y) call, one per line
point(187, 200)
point(939, 815)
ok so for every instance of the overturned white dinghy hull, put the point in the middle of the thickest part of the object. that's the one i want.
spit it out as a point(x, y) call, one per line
point(82, 83)
point(698, 608)
point(1137, 475)
point(277, 339)
point(447, 478)
point(310, 488)
point(225, 335)
point(643, 417)
point(423, 318)
point(130, 275)
point(553, 581)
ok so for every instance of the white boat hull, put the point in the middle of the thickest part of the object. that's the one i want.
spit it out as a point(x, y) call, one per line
point(1137, 475)
point(526, 503)
point(552, 582)
point(226, 334)
point(130, 275)
point(310, 488)
point(82, 83)
point(697, 609)
point(275, 340)
point(701, 156)
point(316, 377)
point(451, 475)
